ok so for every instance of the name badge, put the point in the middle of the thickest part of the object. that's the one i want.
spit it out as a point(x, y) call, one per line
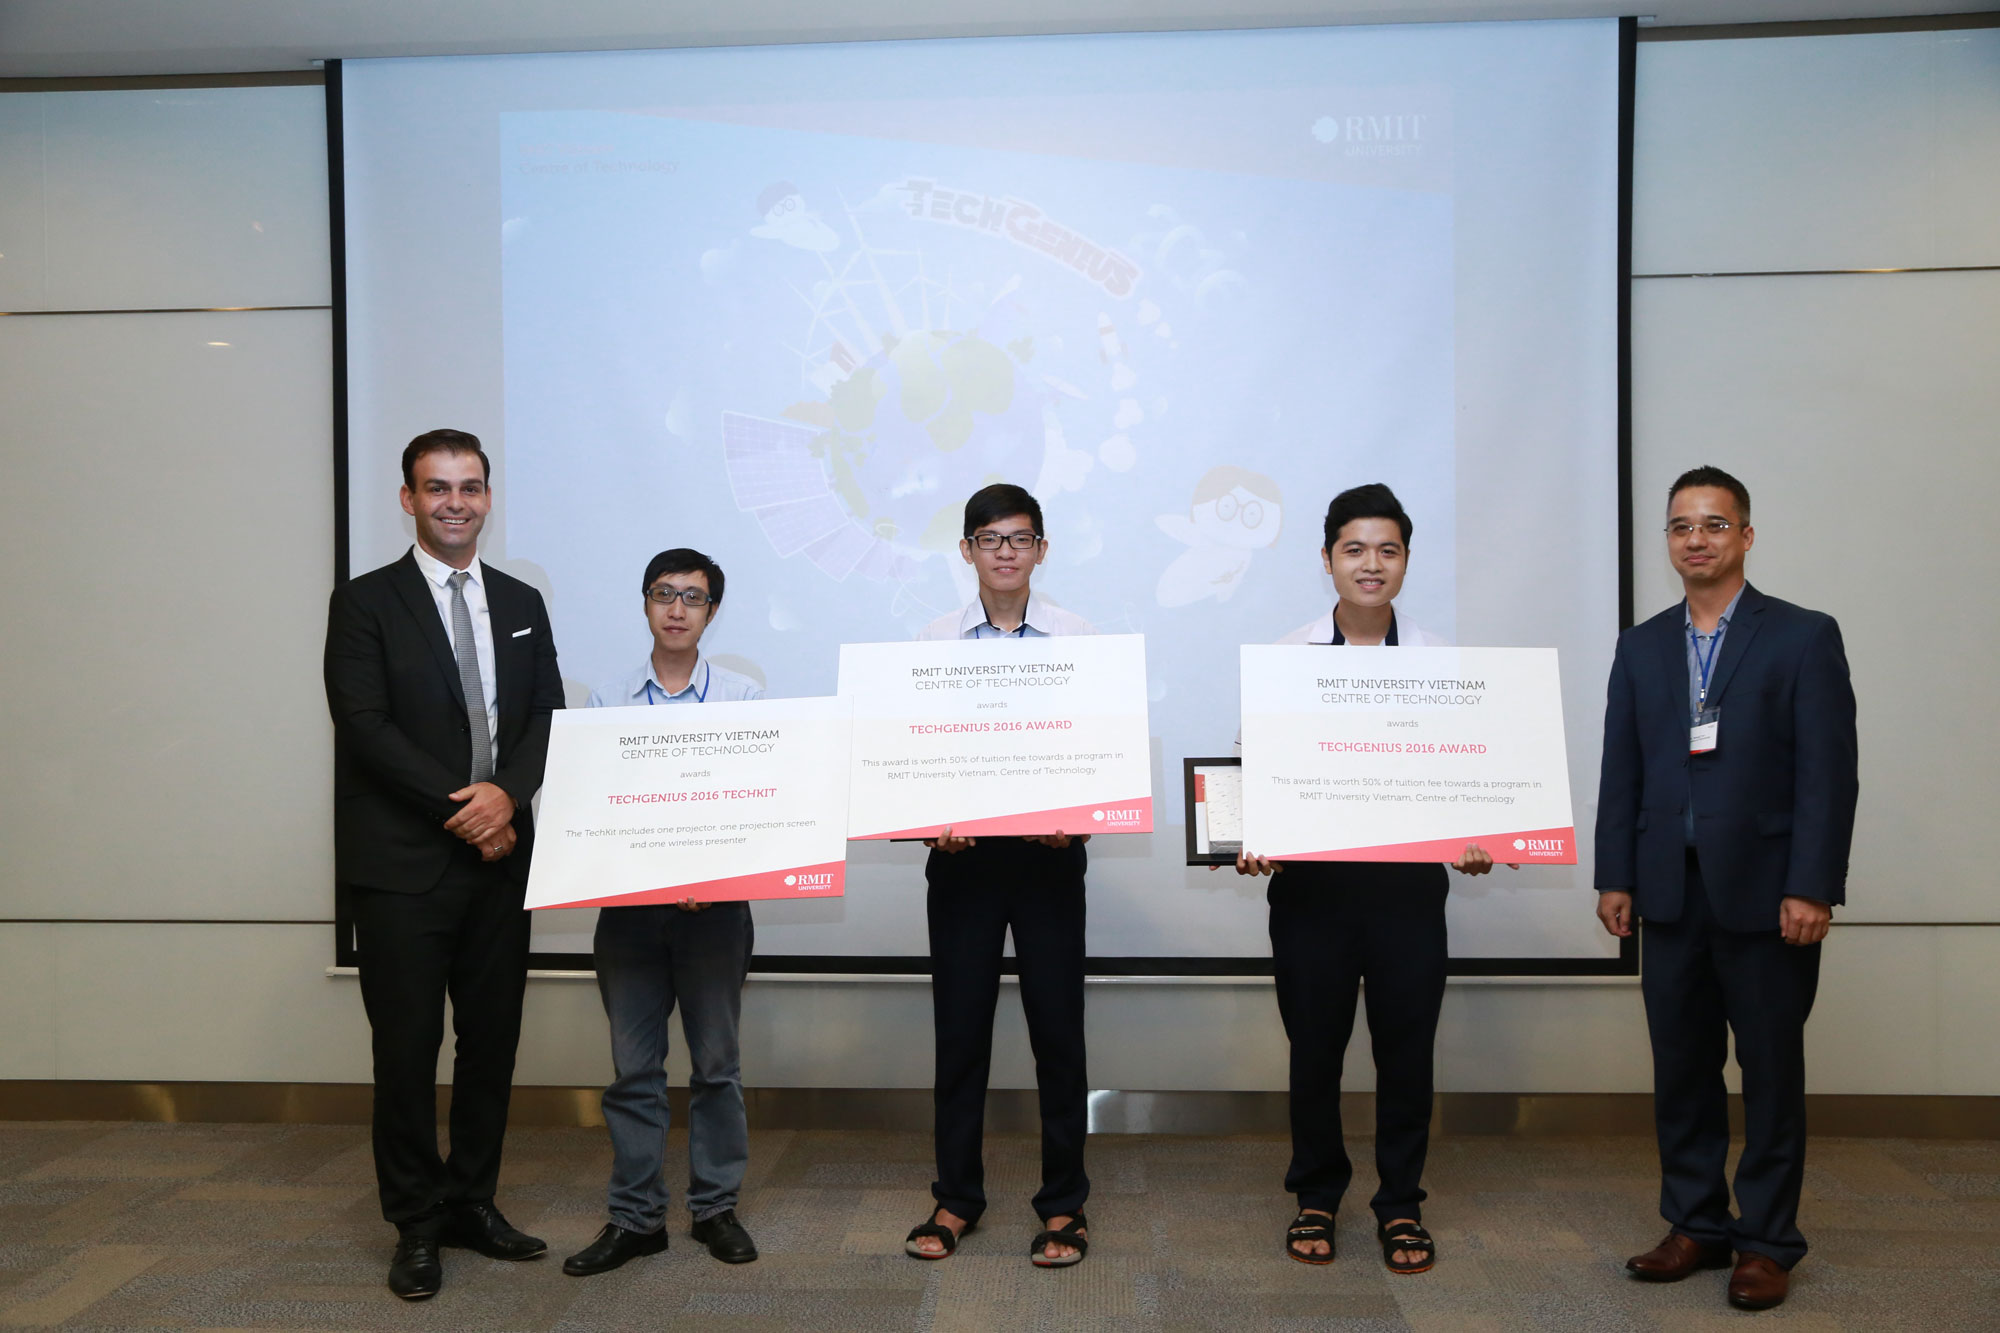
point(1706, 732)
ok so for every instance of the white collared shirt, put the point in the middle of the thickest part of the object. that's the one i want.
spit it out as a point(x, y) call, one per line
point(1042, 620)
point(1408, 635)
point(438, 574)
point(1321, 632)
point(707, 683)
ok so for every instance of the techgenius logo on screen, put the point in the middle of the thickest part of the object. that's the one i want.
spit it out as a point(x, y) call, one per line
point(1026, 226)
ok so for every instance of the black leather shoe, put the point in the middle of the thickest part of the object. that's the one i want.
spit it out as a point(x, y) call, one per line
point(414, 1272)
point(614, 1247)
point(725, 1237)
point(479, 1226)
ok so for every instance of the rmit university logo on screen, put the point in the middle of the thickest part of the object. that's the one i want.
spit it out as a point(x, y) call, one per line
point(1539, 846)
point(819, 879)
point(1119, 814)
point(1394, 134)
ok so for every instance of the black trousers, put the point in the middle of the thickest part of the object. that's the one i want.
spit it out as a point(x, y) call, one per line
point(1702, 982)
point(466, 938)
point(1334, 925)
point(977, 896)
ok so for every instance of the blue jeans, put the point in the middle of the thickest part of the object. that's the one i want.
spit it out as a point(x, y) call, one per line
point(647, 959)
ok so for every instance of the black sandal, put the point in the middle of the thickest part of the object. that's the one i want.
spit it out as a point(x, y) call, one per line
point(1309, 1227)
point(1406, 1236)
point(930, 1228)
point(1071, 1234)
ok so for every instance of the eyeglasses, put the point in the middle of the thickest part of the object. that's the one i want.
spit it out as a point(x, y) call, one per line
point(1714, 527)
point(993, 541)
point(686, 596)
point(1227, 509)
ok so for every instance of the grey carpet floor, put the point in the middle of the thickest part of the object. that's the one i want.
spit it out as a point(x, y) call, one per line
point(150, 1226)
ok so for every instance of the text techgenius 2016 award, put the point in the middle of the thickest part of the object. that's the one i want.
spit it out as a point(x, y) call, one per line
point(1404, 755)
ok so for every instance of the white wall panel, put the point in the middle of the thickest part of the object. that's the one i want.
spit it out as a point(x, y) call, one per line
point(1901, 1010)
point(166, 521)
point(28, 1000)
point(23, 221)
point(1859, 151)
point(1860, 412)
point(200, 1002)
point(165, 198)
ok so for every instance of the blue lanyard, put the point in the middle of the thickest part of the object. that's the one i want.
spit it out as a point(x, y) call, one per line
point(700, 696)
point(1705, 664)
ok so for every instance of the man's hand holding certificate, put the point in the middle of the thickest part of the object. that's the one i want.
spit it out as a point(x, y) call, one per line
point(999, 736)
point(1404, 756)
point(716, 802)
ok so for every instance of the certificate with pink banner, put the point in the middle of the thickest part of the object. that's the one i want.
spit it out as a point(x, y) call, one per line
point(716, 802)
point(1404, 754)
point(999, 736)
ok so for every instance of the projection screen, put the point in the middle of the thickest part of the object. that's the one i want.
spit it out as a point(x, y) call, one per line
point(791, 305)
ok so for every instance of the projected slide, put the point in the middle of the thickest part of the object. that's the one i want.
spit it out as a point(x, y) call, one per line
point(792, 306)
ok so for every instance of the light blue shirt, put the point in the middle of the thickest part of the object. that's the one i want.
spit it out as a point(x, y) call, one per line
point(1041, 620)
point(707, 683)
point(1703, 648)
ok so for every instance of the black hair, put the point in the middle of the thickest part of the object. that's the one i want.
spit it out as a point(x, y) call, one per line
point(1712, 476)
point(992, 503)
point(1371, 501)
point(442, 442)
point(685, 560)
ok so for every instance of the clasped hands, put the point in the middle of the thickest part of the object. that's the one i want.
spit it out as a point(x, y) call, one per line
point(486, 820)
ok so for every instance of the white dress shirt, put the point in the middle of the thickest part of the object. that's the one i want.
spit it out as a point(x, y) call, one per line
point(1042, 620)
point(1321, 631)
point(1407, 634)
point(707, 684)
point(438, 574)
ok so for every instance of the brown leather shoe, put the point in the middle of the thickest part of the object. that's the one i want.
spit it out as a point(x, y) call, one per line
point(1675, 1257)
point(1758, 1283)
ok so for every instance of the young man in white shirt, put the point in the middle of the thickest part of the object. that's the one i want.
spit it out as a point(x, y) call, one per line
point(650, 957)
point(980, 889)
point(1334, 923)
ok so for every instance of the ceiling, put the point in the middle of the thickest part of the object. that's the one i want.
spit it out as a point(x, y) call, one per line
point(70, 38)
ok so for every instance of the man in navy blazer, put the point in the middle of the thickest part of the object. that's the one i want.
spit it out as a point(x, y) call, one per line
point(1725, 811)
point(441, 677)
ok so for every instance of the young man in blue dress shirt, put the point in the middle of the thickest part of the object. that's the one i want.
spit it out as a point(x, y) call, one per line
point(980, 889)
point(651, 957)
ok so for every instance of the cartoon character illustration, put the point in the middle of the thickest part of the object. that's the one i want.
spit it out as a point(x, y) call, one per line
point(1234, 513)
point(787, 219)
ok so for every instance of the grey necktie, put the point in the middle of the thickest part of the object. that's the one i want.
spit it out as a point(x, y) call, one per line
point(468, 678)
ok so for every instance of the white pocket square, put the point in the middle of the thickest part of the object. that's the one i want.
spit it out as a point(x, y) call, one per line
point(519, 632)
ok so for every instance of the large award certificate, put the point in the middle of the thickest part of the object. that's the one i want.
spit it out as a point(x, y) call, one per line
point(1404, 755)
point(999, 736)
point(716, 802)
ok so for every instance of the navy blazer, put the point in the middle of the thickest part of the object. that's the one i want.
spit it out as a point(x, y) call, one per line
point(402, 742)
point(1773, 802)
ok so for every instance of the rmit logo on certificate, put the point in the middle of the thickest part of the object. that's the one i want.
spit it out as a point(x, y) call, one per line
point(1117, 816)
point(816, 880)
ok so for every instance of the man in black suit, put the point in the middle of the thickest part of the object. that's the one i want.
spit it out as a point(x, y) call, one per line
point(1725, 811)
point(441, 677)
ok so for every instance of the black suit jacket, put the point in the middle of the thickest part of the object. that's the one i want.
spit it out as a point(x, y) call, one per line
point(1773, 802)
point(401, 739)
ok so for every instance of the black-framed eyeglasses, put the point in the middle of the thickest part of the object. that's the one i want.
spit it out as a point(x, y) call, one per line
point(1714, 527)
point(993, 541)
point(686, 596)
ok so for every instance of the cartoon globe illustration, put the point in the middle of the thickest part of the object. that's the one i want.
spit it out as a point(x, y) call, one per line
point(874, 476)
